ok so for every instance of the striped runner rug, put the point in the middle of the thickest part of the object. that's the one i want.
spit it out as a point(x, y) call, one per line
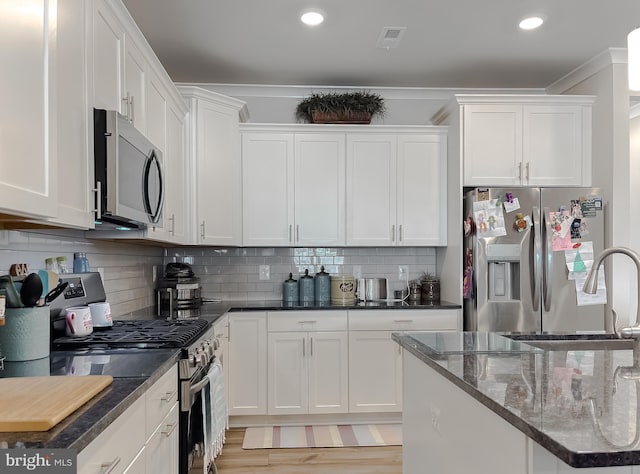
point(322, 436)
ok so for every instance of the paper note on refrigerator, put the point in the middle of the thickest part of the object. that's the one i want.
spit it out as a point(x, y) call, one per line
point(489, 218)
point(560, 223)
point(579, 260)
point(585, 299)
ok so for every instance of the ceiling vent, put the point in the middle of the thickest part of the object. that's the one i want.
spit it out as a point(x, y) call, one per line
point(390, 37)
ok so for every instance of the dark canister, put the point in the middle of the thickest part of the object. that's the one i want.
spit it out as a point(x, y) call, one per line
point(323, 286)
point(290, 290)
point(307, 290)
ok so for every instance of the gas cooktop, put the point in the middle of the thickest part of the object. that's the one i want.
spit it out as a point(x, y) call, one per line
point(157, 333)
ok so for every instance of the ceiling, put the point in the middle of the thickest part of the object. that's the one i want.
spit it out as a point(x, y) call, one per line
point(447, 43)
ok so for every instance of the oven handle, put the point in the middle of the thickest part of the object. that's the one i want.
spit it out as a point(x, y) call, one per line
point(197, 387)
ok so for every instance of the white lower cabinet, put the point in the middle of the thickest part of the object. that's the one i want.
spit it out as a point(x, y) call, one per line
point(143, 439)
point(307, 362)
point(247, 363)
point(375, 360)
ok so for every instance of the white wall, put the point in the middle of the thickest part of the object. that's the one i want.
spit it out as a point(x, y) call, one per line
point(405, 106)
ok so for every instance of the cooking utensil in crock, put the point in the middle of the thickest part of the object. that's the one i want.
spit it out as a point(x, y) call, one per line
point(31, 290)
point(13, 297)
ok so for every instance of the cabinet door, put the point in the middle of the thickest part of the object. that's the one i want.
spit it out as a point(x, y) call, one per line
point(320, 189)
point(28, 176)
point(422, 178)
point(247, 363)
point(553, 145)
point(268, 189)
point(218, 175)
point(74, 119)
point(107, 58)
point(176, 198)
point(371, 190)
point(135, 84)
point(288, 391)
point(492, 144)
point(162, 448)
point(375, 372)
point(327, 357)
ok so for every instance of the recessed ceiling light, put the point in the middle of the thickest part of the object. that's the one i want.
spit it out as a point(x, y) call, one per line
point(312, 17)
point(531, 23)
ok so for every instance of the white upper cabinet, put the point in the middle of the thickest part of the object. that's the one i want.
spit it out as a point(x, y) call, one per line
point(293, 187)
point(135, 84)
point(28, 154)
point(526, 140)
point(216, 166)
point(396, 185)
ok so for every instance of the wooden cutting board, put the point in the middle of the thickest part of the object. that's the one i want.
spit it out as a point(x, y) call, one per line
point(40, 403)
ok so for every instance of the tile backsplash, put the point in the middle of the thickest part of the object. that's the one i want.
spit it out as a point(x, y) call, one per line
point(235, 273)
point(127, 268)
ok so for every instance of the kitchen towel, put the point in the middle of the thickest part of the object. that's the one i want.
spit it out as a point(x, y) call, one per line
point(215, 414)
point(322, 436)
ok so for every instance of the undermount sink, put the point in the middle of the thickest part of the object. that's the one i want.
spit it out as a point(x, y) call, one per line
point(605, 344)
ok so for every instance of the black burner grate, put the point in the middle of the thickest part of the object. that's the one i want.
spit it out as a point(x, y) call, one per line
point(157, 333)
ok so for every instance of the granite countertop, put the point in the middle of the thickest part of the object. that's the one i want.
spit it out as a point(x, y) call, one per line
point(133, 374)
point(581, 405)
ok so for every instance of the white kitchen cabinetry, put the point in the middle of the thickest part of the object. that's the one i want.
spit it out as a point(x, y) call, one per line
point(247, 363)
point(214, 142)
point(119, 65)
point(293, 187)
point(307, 354)
point(144, 438)
point(525, 140)
point(375, 360)
point(396, 188)
point(28, 154)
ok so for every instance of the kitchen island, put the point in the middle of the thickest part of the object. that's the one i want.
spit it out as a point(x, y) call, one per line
point(485, 403)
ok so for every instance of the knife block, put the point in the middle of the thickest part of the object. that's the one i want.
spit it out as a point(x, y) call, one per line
point(25, 334)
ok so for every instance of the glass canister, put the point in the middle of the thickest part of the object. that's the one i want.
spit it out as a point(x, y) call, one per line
point(307, 289)
point(290, 290)
point(80, 262)
point(322, 286)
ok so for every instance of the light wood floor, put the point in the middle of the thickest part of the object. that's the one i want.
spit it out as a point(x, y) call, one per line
point(364, 460)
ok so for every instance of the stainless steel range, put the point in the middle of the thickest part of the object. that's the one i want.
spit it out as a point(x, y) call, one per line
point(193, 337)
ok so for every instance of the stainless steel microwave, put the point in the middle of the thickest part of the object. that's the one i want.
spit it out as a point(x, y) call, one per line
point(129, 175)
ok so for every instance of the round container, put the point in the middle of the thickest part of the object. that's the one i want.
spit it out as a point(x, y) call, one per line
point(307, 288)
point(414, 292)
point(25, 335)
point(431, 292)
point(27, 368)
point(80, 262)
point(343, 290)
point(322, 286)
point(290, 290)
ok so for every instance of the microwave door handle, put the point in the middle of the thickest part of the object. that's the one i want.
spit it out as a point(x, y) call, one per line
point(153, 215)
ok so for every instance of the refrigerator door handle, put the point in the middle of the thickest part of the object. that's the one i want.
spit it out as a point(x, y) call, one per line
point(548, 260)
point(537, 258)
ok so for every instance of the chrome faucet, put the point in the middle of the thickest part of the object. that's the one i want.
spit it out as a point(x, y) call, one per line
point(591, 286)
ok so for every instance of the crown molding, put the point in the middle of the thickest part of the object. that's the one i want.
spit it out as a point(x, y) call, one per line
point(594, 65)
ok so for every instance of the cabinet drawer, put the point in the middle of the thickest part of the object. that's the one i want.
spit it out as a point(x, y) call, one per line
point(404, 320)
point(117, 445)
point(160, 398)
point(307, 321)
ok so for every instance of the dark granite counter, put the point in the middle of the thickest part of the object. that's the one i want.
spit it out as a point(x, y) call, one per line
point(133, 372)
point(581, 403)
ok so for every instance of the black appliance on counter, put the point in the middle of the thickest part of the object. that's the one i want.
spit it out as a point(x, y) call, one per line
point(193, 336)
point(178, 291)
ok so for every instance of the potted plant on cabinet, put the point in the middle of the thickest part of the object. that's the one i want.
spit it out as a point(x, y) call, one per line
point(430, 289)
point(347, 107)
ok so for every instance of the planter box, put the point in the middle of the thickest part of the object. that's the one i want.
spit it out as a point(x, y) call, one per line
point(330, 117)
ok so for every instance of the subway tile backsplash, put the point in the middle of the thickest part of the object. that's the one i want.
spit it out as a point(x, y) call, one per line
point(234, 273)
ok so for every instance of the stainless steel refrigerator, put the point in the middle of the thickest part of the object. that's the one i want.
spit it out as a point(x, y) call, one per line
point(515, 267)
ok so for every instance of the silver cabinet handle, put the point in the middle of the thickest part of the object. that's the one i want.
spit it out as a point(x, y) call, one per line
point(304, 340)
point(172, 227)
point(309, 321)
point(126, 107)
point(98, 191)
point(527, 171)
point(170, 428)
point(169, 396)
point(297, 232)
point(519, 171)
point(290, 232)
point(403, 320)
point(131, 112)
point(108, 467)
point(202, 230)
point(400, 231)
point(311, 346)
point(393, 233)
